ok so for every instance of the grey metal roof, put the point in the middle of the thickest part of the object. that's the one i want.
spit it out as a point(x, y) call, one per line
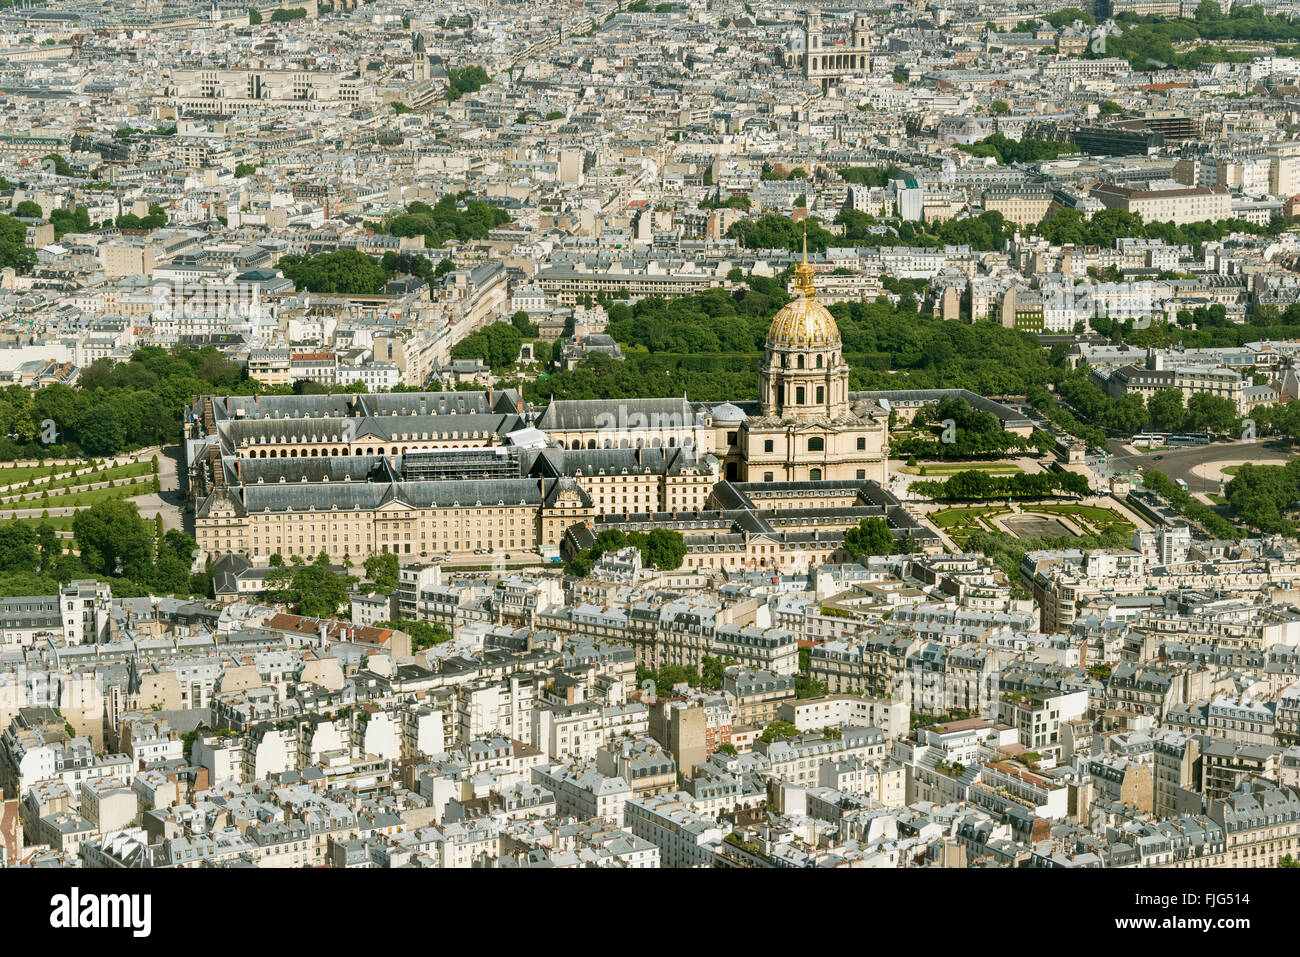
point(590, 414)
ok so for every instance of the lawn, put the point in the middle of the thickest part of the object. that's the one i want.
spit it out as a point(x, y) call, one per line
point(62, 523)
point(76, 499)
point(1099, 518)
point(952, 468)
point(960, 523)
point(21, 473)
point(118, 472)
point(952, 517)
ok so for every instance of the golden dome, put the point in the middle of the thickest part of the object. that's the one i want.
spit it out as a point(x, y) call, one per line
point(804, 323)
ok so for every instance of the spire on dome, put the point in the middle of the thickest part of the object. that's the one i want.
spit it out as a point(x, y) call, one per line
point(803, 273)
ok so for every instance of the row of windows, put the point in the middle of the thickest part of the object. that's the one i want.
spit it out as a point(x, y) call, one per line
point(815, 475)
point(654, 443)
point(815, 444)
point(800, 395)
point(799, 362)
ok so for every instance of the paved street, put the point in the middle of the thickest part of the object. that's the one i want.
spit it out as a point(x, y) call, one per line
point(1200, 466)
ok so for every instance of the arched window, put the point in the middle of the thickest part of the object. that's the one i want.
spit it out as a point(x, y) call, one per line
point(816, 445)
point(814, 475)
point(591, 443)
point(801, 362)
point(819, 362)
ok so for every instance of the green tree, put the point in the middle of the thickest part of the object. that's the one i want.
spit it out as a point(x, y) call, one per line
point(711, 672)
point(778, 729)
point(543, 352)
point(114, 540)
point(579, 565)
point(102, 430)
point(1027, 150)
point(1211, 413)
point(58, 164)
point(1165, 406)
point(470, 79)
point(665, 549)
point(345, 271)
point(382, 570)
point(318, 591)
point(526, 326)
point(13, 245)
point(18, 548)
point(871, 537)
point(497, 345)
point(423, 634)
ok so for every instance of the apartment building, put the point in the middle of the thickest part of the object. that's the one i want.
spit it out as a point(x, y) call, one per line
point(1177, 204)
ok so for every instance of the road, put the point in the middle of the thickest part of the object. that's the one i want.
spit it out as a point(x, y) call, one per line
point(1200, 465)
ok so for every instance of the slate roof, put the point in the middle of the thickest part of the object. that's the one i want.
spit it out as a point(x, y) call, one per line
point(589, 414)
